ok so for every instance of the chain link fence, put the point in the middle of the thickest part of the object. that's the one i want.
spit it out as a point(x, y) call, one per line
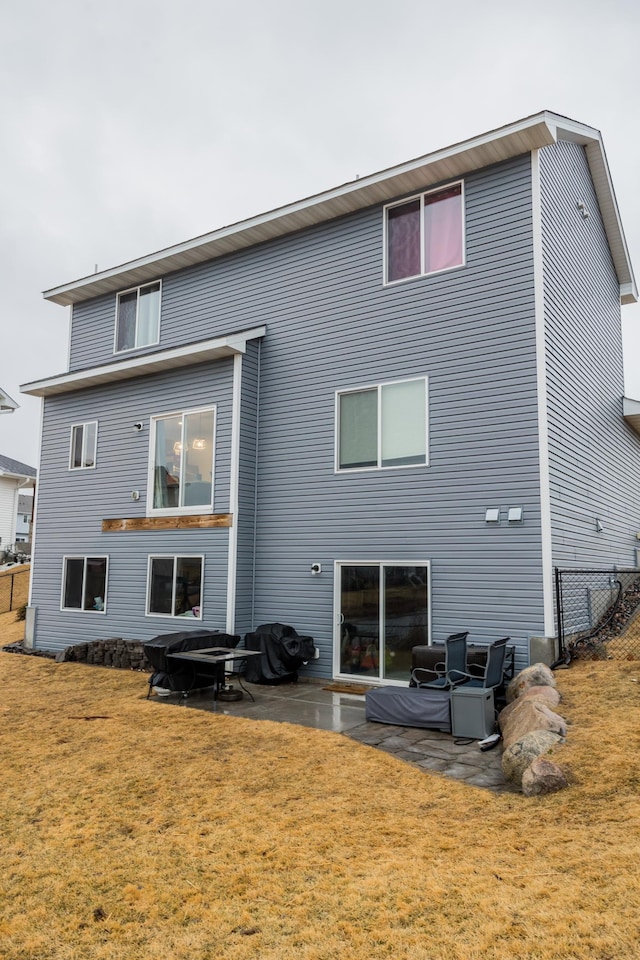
point(14, 589)
point(598, 613)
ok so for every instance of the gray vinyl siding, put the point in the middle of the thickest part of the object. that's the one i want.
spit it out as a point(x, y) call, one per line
point(73, 503)
point(471, 332)
point(332, 324)
point(594, 455)
point(246, 518)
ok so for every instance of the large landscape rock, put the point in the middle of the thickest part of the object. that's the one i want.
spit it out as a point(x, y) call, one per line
point(523, 752)
point(528, 716)
point(549, 696)
point(541, 777)
point(538, 674)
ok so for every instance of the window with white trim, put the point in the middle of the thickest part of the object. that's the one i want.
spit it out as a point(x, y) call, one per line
point(382, 426)
point(174, 586)
point(138, 317)
point(84, 440)
point(84, 584)
point(424, 234)
point(182, 448)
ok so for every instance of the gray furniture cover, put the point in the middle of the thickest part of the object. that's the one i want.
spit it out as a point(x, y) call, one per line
point(409, 707)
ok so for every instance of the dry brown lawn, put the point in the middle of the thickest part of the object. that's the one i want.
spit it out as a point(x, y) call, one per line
point(136, 829)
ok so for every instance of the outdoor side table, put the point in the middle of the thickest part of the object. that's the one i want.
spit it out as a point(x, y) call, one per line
point(472, 712)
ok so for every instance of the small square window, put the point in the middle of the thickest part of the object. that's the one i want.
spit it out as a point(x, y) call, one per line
point(138, 317)
point(175, 587)
point(84, 584)
point(84, 439)
point(425, 234)
point(383, 426)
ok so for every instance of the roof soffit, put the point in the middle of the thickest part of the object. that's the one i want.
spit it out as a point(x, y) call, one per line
point(150, 363)
point(513, 140)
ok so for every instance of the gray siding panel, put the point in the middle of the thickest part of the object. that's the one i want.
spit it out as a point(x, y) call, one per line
point(72, 505)
point(594, 456)
point(332, 324)
point(471, 331)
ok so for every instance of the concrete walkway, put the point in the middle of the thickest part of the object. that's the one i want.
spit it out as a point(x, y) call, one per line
point(310, 704)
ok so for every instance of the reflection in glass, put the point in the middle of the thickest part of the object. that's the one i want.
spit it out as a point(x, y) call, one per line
point(384, 614)
point(405, 617)
point(360, 629)
point(183, 465)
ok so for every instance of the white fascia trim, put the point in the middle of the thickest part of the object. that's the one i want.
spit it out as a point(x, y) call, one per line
point(234, 483)
point(188, 355)
point(7, 405)
point(543, 422)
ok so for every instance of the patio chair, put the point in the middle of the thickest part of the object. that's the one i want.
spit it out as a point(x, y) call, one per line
point(491, 675)
point(455, 662)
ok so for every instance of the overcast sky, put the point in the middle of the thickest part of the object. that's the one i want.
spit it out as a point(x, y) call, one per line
point(132, 125)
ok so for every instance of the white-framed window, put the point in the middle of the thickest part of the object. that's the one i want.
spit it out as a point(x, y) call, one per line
point(84, 440)
point(382, 610)
point(181, 462)
point(138, 317)
point(174, 586)
point(382, 426)
point(424, 234)
point(84, 584)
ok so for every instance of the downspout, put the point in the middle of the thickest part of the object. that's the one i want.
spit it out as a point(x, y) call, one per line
point(234, 480)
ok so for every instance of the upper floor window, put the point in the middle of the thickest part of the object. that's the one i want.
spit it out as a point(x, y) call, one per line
point(182, 461)
point(84, 438)
point(424, 234)
point(138, 317)
point(382, 426)
point(84, 584)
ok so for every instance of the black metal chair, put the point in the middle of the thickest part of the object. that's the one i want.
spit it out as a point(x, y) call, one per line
point(455, 661)
point(491, 675)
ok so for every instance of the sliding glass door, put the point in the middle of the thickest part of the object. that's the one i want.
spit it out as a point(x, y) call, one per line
point(383, 611)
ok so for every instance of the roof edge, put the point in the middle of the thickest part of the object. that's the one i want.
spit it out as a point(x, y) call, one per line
point(530, 133)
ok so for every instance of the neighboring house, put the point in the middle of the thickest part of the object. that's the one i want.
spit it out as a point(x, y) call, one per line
point(7, 405)
point(14, 477)
point(24, 518)
point(381, 414)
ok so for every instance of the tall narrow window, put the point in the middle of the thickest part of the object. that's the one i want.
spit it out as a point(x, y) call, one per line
point(383, 426)
point(84, 584)
point(84, 438)
point(138, 317)
point(425, 234)
point(175, 587)
point(182, 463)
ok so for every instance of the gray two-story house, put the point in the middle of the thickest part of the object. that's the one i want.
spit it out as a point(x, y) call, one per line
point(381, 414)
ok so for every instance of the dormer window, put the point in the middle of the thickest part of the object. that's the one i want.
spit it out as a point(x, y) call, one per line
point(424, 234)
point(138, 317)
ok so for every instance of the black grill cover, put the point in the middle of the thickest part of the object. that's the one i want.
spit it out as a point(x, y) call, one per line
point(177, 675)
point(283, 653)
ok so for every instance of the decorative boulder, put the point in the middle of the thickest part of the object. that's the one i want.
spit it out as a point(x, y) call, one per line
point(538, 674)
point(523, 752)
point(543, 776)
point(529, 716)
point(548, 696)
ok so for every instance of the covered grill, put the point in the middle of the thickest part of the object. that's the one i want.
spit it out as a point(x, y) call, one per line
point(283, 651)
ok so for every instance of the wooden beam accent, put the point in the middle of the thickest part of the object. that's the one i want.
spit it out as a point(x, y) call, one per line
point(194, 522)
